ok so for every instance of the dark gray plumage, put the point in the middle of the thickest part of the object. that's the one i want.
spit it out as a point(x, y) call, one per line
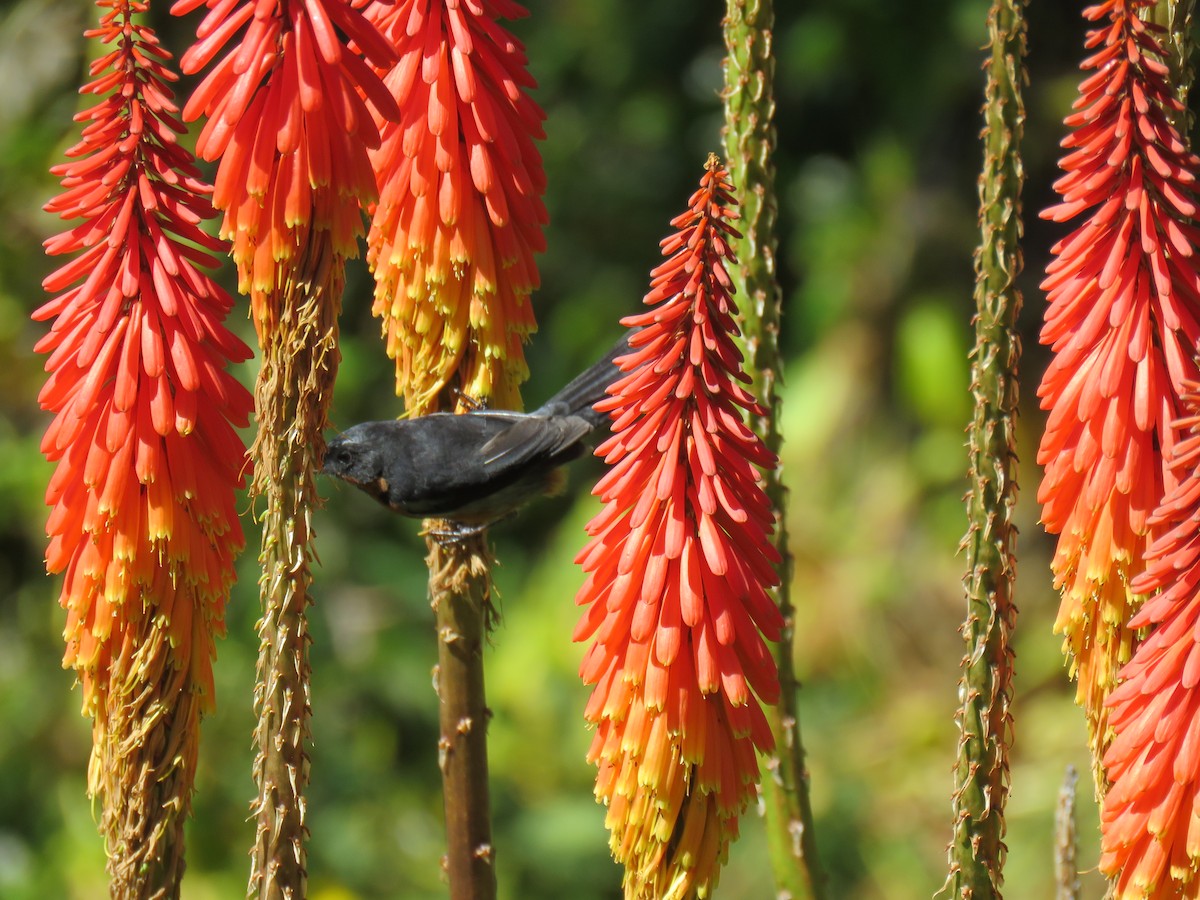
point(477, 467)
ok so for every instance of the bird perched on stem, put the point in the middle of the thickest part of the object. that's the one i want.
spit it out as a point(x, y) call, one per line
point(477, 467)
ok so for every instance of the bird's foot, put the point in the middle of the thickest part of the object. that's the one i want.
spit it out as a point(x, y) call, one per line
point(446, 531)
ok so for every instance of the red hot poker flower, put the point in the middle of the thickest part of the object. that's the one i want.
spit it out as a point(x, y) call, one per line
point(291, 116)
point(143, 522)
point(678, 566)
point(1123, 320)
point(460, 212)
point(1150, 821)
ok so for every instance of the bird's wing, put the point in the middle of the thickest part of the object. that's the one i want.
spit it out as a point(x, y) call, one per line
point(533, 437)
point(461, 463)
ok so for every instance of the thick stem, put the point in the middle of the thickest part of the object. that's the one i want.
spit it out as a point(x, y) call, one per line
point(749, 145)
point(295, 386)
point(460, 593)
point(981, 774)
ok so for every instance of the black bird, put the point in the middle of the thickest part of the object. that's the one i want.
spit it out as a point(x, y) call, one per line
point(477, 467)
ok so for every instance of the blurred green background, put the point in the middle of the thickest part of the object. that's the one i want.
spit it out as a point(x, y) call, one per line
point(878, 119)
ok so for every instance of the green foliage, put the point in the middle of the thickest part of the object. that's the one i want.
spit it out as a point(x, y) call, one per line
point(878, 120)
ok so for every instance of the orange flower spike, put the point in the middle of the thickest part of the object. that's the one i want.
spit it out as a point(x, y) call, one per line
point(460, 212)
point(1150, 836)
point(143, 522)
point(678, 564)
point(291, 113)
point(1122, 319)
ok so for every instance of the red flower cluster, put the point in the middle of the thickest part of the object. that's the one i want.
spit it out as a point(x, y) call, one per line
point(144, 523)
point(678, 566)
point(1151, 814)
point(292, 150)
point(460, 211)
point(1123, 321)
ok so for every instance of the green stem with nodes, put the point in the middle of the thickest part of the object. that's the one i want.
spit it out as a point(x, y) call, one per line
point(981, 777)
point(749, 146)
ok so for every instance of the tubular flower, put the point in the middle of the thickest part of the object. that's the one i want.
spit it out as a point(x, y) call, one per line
point(1151, 815)
point(144, 524)
point(460, 211)
point(678, 565)
point(1124, 297)
point(290, 117)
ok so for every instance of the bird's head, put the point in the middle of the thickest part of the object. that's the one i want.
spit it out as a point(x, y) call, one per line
point(356, 456)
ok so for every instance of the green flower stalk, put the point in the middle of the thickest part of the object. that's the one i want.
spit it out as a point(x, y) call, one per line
point(749, 145)
point(981, 780)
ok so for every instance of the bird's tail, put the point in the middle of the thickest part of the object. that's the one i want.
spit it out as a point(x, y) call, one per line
point(588, 387)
